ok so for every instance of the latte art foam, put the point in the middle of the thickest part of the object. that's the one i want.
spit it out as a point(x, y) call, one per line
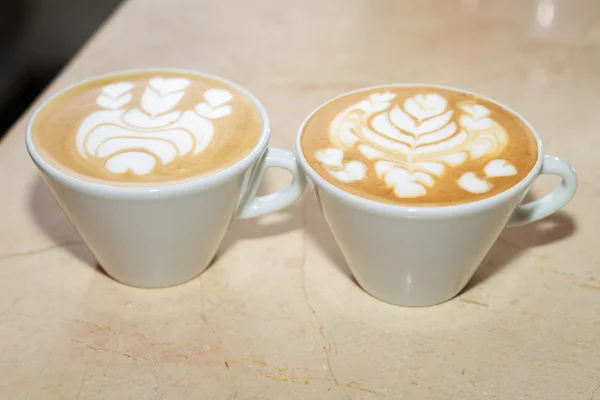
point(139, 138)
point(148, 127)
point(418, 145)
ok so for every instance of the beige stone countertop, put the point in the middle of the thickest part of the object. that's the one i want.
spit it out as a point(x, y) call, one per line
point(278, 315)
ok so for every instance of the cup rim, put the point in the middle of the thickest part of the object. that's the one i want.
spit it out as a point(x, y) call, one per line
point(159, 190)
point(453, 210)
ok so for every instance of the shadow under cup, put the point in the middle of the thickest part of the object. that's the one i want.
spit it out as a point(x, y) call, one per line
point(422, 256)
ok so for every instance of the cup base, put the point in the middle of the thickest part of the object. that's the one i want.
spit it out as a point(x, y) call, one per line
point(164, 284)
point(404, 301)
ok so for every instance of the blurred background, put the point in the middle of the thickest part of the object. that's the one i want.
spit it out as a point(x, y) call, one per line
point(37, 39)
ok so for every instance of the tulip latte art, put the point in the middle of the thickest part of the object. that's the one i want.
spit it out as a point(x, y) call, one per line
point(418, 145)
point(147, 128)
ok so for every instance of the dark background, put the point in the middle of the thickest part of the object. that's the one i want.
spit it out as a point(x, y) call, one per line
point(37, 39)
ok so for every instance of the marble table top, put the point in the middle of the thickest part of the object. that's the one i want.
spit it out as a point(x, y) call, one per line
point(278, 315)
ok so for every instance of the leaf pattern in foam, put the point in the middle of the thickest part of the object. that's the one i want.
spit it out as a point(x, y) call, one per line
point(418, 140)
point(433, 138)
point(388, 122)
point(400, 121)
point(408, 139)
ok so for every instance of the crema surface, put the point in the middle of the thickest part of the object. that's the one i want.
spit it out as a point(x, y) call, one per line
point(418, 145)
point(147, 128)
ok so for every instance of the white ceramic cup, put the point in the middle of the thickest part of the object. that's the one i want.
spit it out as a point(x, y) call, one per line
point(421, 256)
point(165, 235)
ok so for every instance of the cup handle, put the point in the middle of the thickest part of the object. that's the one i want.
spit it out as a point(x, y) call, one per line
point(554, 200)
point(254, 206)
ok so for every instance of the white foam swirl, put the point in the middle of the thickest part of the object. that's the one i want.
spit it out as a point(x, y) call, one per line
point(138, 139)
point(414, 143)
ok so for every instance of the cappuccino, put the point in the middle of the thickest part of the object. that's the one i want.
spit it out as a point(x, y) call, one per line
point(416, 145)
point(146, 128)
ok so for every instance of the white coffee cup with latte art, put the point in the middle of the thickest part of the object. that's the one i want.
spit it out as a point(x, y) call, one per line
point(417, 181)
point(151, 166)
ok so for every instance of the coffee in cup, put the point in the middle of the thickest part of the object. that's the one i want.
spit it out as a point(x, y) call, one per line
point(418, 145)
point(147, 128)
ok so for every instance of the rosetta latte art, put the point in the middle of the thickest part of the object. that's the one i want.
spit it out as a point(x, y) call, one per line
point(139, 139)
point(411, 146)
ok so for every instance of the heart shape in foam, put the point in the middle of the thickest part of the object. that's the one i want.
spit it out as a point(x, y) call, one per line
point(330, 157)
point(355, 170)
point(113, 103)
point(499, 168)
point(424, 106)
point(382, 97)
point(168, 85)
point(471, 183)
point(217, 97)
point(351, 172)
point(116, 89)
point(404, 183)
point(475, 124)
point(477, 111)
